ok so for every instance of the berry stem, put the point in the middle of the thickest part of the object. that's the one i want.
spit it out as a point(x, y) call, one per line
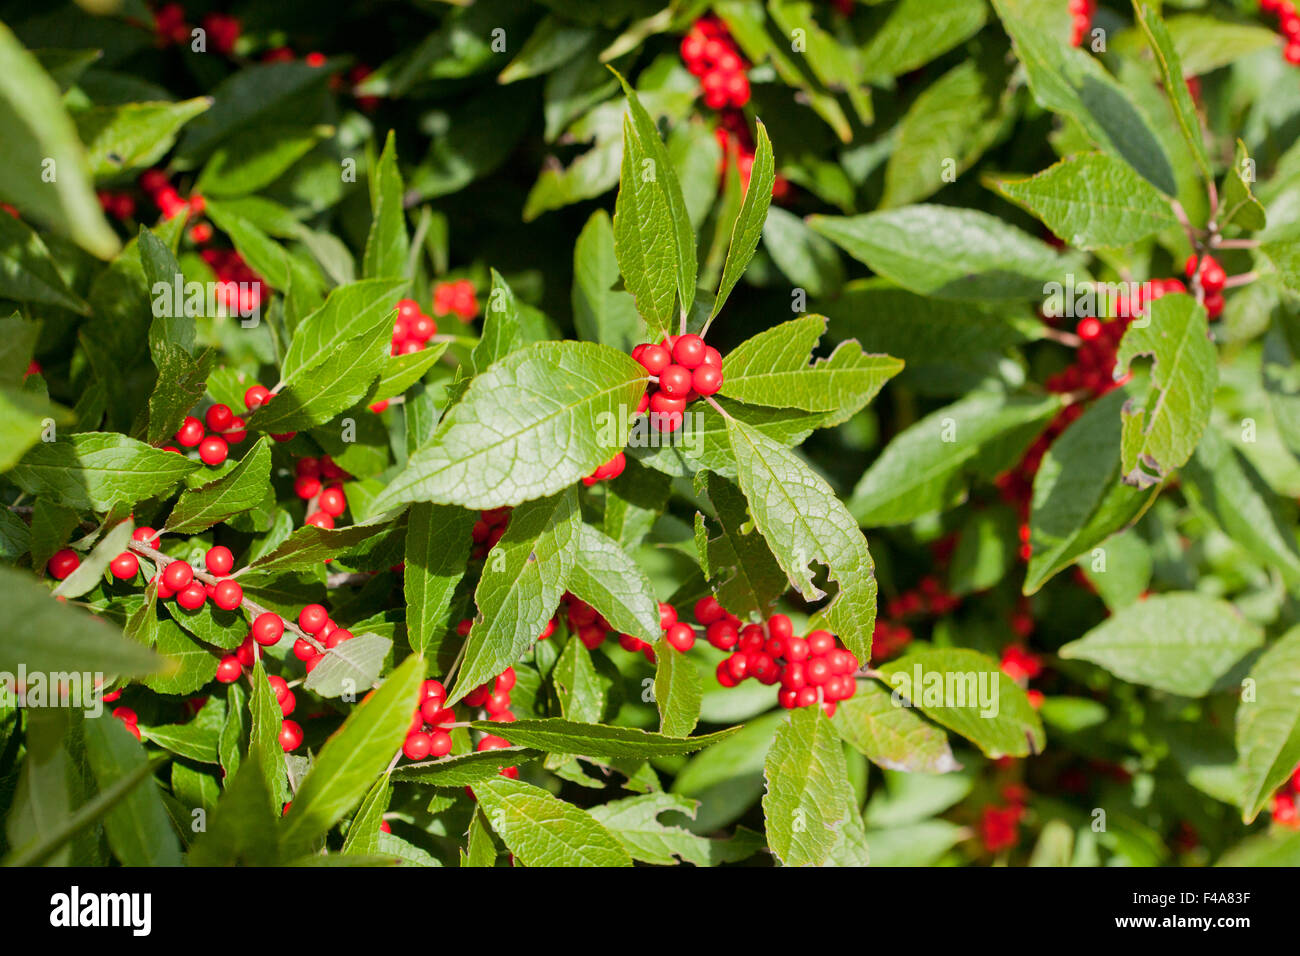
point(1217, 242)
point(1068, 339)
point(1244, 278)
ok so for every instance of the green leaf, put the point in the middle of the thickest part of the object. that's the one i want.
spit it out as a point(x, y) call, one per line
point(652, 230)
point(22, 424)
point(1079, 500)
point(349, 667)
point(601, 313)
point(555, 735)
point(363, 831)
point(465, 770)
point(131, 136)
point(917, 31)
point(605, 576)
point(1239, 205)
point(28, 272)
point(480, 850)
point(523, 579)
point(137, 828)
point(93, 566)
point(238, 490)
point(400, 372)
point(1206, 43)
point(950, 252)
point(193, 741)
point(541, 830)
point(1173, 76)
point(679, 690)
point(1161, 435)
point(1178, 642)
point(1074, 83)
point(967, 692)
point(537, 421)
point(308, 547)
point(890, 736)
point(748, 227)
point(39, 139)
point(1268, 723)
point(577, 684)
point(193, 665)
point(253, 159)
point(350, 311)
point(945, 131)
point(1224, 482)
point(437, 544)
point(353, 757)
point(809, 802)
point(634, 822)
point(1093, 201)
point(48, 635)
point(99, 471)
point(259, 94)
point(500, 325)
point(264, 750)
point(243, 828)
point(810, 261)
point(772, 369)
point(745, 576)
point(387, 247)
point(926, 467)
point(804, 523)
point(332, 383)
point(1284, 254)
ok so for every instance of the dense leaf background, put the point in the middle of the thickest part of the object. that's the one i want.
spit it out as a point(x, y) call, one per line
point(931, 440)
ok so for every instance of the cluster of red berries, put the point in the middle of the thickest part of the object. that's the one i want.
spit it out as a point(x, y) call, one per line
point(412, 329)
point(1286, 803)
point(1288, 24)
point(224, 428)
point(1000, 825)
point(129, 718)
point(315, 620)
point(929, 597)
point(1213, 280)
point(239, 288)
point(683, 368)
point(811, 670)
point(428, 735)
point(488, 529)
point(170, 28)
point(455, 298)
point(169, 202)
point(710, 53)
point(592, 629)
point(177, 580)
point(317, 482)
point(1023, 665)
point(117, 205)
point(1081, 14)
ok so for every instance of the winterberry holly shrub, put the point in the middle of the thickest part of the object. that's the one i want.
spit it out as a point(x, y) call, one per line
point(597, 433)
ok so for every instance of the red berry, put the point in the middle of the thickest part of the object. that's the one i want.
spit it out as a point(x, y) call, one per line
point(796, 649)
point(227, 595)
point(708, 610)
point(667, 615)
point(237, 431)
point(268, 628)
point(780, 628)
point(213, 450)
point(681, 636)
point(417, 745)
point(707, 379)
point(689, 351)
point(124, 566)
point(1088, 329)
point(303, 649)
point(229, 670)
point(290, 735)
point(178, 575)
point(126, 715)
point(1213, 277)
point(190, 433)
point(312, 618)
point(145, 535)
point(439, 743)
point(256, 397)
point(62, 563)
point(219, 560)
point(722, 634)
point(192, 596)
point(820, 643)
point(332, 501)
point(320, 519)
point(219, 418)
point(675, 381)
point(337, 637)
point(655, 358)
point(505, 681)
point(306, 487)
